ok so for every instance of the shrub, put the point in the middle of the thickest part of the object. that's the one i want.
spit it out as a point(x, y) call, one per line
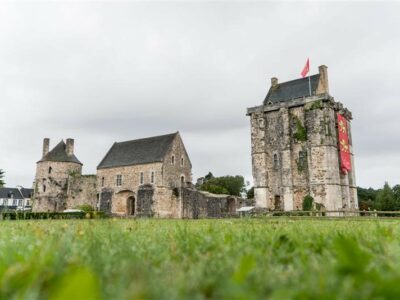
point(308, 203)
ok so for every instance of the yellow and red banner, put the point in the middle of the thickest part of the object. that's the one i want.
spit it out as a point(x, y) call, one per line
point(344, 148)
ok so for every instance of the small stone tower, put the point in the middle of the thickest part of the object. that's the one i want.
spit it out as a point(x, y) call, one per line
point(52, 173)
point(301, 145)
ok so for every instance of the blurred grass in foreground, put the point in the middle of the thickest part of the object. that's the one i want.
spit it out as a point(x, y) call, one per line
point(197, 259)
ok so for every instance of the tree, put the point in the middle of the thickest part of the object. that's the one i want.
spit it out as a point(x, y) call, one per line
point(385, 199)
point(230, 185)
point(2, 183)
point(250, 193)
point(367, 198)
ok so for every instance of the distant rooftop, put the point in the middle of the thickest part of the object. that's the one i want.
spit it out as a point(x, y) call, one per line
point(7, 193)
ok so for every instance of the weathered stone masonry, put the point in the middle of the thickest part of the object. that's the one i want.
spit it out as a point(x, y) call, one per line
point(295, 147)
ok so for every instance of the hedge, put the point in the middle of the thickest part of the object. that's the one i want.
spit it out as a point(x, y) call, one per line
point(51, 215)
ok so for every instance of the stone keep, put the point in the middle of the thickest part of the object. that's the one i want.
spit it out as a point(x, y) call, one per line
point(294, 147)
point(59, 183)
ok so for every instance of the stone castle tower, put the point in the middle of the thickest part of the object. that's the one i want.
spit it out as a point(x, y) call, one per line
point(296, 149)
point(52, 173)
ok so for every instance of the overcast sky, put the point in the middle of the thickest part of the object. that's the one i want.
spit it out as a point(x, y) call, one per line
point(101, 72)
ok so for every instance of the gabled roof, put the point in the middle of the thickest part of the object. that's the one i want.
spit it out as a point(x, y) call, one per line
point(293, 89)
point(27, 193)
point(136, 152)
point(59, 153)
point(5, 193)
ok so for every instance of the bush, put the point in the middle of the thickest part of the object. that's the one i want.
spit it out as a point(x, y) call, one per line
point(85, 208)
point(51, 215)
point(308, 203)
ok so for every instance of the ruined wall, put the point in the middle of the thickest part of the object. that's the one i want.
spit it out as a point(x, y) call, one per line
point(145, 201)
point(51, 185)
point(167, 203)
point(81, 190)
point(199, 204)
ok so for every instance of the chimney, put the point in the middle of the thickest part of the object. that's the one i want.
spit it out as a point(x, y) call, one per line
point(274, 81)
point(70, 147)
point(46, 145)
point(323, 84)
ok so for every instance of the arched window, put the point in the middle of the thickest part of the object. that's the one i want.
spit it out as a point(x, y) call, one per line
point(182, 180)
point(182, 161)
point(102, 181)
point(50, 169)
point(152, 177)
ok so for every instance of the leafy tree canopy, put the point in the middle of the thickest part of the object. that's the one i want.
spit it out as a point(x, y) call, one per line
point(250, 193)
point(230, 185)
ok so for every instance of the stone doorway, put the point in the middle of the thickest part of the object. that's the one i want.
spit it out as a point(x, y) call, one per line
point(277, 202)
point(231, 205)
point(130, 206)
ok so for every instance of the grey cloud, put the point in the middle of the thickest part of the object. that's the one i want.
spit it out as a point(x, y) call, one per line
point(110, 71)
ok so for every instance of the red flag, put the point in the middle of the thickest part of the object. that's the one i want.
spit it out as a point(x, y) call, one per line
point(344, 148)
point(306, 68)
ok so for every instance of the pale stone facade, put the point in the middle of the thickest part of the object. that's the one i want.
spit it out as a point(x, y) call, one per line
point(157, 175)
point(295, 152)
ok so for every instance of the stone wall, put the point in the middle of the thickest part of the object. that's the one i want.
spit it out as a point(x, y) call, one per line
point(198, 204)
point(81, 191)
point(145, 201)
point(51, 185)
point(130, 177)
point(173, 169)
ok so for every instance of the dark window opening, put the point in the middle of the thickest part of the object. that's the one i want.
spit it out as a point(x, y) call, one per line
point(276, 162)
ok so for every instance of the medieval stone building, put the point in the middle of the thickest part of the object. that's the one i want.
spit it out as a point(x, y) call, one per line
point(296, 149)
point(139, 176)
point(144, 177)
point(59, 183)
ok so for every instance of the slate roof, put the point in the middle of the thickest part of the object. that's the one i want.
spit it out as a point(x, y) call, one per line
point(6, 192)
point(58, 153)
point(136, 152)
point(293, 89)
point(27, 193)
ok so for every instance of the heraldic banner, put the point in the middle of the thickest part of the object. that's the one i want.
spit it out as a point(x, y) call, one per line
point(344, 147)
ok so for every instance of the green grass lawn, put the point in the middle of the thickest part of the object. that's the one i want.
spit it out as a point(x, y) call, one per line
point(276, 258)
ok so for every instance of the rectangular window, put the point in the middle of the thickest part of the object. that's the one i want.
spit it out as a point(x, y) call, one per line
point(173, 159)
point(152, 177)
point(5, 203)
point(102, 181)
point(14, 202)
point(119, 180)
point(20, 202)
point(141, 178)
point(182, 162)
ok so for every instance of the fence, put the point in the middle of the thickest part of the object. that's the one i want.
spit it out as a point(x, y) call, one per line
point(323, 214)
